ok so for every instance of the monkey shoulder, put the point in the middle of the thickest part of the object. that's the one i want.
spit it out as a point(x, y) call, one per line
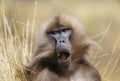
point(86, 73)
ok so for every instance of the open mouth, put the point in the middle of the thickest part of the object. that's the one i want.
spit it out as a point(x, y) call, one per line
point(63, 55)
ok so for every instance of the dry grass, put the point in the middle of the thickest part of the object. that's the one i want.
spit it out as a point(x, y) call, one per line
point(15, 47)
point(18, 23)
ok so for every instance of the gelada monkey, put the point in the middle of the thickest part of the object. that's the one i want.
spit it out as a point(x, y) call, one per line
point(61, 46)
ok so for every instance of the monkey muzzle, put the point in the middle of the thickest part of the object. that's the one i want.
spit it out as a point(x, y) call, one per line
point(64, 58)
point(63, 54)
point(63, 50)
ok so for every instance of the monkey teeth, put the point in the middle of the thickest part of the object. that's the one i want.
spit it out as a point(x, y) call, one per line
point(63, 55)
point(58, 54)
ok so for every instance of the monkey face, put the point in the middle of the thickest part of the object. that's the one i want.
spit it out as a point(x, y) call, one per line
point(61, 38)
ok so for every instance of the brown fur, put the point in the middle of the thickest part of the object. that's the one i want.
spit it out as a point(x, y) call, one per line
point(79, 70)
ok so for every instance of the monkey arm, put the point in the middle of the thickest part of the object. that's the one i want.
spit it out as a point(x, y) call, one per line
point(37, 59)
point(30, 70)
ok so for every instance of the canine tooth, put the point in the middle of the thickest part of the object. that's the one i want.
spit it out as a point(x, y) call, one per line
point(58, 54)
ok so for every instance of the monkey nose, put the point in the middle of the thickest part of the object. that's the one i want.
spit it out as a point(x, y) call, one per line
point(62, 41)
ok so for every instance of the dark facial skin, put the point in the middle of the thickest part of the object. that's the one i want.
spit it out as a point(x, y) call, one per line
point(61, 38)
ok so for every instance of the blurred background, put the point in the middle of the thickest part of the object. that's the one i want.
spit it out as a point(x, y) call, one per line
point(19, 19)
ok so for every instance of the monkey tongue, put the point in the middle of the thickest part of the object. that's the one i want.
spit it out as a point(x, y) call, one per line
point(63, 56)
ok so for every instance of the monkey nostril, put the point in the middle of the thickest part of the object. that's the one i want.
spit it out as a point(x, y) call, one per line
point(62, 41)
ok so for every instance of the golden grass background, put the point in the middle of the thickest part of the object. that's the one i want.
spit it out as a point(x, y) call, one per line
point(20, 18)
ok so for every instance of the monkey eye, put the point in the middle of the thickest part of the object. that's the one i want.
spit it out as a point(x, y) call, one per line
point(65, 30)
point(55, 32)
